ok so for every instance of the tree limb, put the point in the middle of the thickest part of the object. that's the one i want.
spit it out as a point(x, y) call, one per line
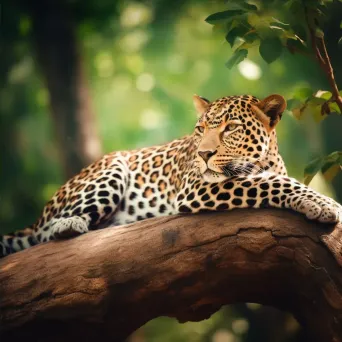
point(322, 56)
point(330, 74)
point(106, 284)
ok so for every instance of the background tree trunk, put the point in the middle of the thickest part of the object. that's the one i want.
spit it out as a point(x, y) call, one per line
point(59, 59)
point(107, 283)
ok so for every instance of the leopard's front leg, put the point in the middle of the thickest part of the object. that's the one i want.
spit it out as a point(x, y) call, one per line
point(92, 207)
point(259, 191)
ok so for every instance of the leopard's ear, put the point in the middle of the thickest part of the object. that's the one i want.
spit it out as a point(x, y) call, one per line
point(201, 104)
point(269, 110)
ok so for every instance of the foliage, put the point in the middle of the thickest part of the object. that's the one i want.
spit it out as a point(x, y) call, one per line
point(248, 24)
point(329, 165)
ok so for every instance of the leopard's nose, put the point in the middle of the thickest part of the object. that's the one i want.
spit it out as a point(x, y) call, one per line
point(206, 155)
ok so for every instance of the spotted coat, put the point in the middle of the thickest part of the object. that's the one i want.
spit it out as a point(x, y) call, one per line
point(230, 161)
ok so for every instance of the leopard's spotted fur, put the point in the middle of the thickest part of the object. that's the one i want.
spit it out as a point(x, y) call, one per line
point(230, 161)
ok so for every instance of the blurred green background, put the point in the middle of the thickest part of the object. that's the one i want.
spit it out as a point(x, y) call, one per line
point(78, 79)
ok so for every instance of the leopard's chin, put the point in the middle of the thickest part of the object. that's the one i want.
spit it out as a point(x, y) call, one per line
point(213, 177)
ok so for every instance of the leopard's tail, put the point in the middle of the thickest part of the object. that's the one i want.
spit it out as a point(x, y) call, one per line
point(17, 241)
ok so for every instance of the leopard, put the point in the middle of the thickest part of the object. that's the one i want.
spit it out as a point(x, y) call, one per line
point(230, 161)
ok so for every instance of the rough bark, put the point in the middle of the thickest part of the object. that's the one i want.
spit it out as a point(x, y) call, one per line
point(106, 284)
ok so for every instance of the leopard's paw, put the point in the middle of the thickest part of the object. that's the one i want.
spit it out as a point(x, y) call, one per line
point(331, 213)
point(322, 210)
point(68, 227)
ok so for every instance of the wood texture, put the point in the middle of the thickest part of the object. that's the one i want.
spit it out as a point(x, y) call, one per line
point(107, 283)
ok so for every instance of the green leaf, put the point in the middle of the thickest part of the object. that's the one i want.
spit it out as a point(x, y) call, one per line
point(250, 37)
point(315, 101)
point(253, 19)
point(334, 107)
point(339, 41)
point(236, 32)
point(297, 113)
point(241, 4)
point(219, 29)
point(237, 57)
point(248, 7)
point(298, 110)
point(312, 105)
point(332, 165)
point(293, 104)
point(286, 34)
point(230, 37)
point(302, 93)
point(323, 94)
point(270, 49)
point(223, 16)
point(248, 45)
point(304, 103)
point(297, 46)
point(312, 168)
point(276, 27)
point(296, 8)
point(330, 170)
point(279, 23)
point(284, 28)
point(300, 29)
point(315, 108)
point(329, 165)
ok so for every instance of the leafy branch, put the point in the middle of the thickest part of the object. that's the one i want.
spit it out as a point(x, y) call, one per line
point(298, 29)
point(320, 50)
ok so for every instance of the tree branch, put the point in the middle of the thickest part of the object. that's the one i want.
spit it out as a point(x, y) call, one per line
point(330, 74)
point(106, 284)
point(321, 53)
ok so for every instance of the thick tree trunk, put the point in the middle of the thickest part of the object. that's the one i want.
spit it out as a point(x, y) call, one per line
point(107, 283)
point(60, 61)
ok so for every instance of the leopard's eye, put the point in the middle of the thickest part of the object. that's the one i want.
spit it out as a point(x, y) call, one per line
point(230, 127)
point(199, 129)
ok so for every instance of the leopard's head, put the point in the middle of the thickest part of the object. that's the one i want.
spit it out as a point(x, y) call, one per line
point(233, 134)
